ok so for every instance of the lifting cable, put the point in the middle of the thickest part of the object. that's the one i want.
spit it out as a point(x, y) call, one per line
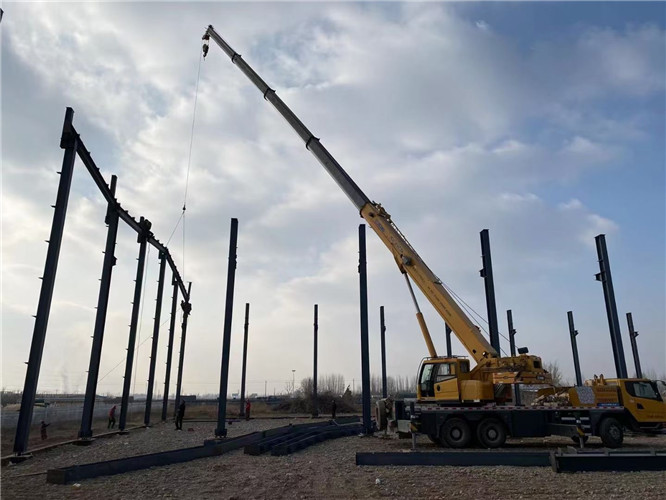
point(189, 163)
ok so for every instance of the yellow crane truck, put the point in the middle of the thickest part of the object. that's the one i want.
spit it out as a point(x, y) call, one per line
point(455, 401)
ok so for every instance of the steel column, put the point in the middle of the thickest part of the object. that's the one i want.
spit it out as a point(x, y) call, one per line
point(172, 327)
point(487, 275)
point(100, 317)
point(606, 279)
point(156, 333)
point(221, 430)
point(246, 327)
point(68, 142)
point(448, 340)
point(136, 307)
point(365, 346)
point(634, 345)
point(186, 307)
point(315, 405)
point(382, 329)
point(574, 348)
point(512, 347)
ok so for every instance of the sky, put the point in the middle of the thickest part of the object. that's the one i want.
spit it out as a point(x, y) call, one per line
point(543, 123)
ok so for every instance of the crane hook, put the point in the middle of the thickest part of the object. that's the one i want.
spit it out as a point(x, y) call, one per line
point(206, 39)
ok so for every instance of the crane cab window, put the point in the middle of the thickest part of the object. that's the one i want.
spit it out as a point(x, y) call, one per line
point(464, 366)
point(425, 382)
point(445, 371)
point(643, 390)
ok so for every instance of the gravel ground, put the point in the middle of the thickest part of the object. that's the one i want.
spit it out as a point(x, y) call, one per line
point(326, 470)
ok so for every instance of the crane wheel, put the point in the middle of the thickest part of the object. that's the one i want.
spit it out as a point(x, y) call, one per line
point(491, 433)
point(610, 432)
point(456, 433)
point(434, 439)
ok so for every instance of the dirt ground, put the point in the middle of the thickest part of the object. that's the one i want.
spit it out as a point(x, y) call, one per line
point(326, 470)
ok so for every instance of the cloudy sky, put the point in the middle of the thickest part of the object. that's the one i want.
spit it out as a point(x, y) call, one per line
point(542, 122)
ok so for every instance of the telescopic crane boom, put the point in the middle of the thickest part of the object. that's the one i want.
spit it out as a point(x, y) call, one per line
point(407, 259)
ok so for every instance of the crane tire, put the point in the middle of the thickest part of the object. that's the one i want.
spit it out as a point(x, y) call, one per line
point(456, 433)
point(434, 439)
point(491, 433)
point(610, 432)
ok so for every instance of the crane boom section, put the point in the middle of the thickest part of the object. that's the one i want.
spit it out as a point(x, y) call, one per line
point(406, 257)
point(410, 262)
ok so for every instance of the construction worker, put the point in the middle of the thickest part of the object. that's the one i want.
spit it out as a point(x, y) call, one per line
point(179, 416)
point(334, 407)
point(112, 418)
point(42, 429)
point(248, 406)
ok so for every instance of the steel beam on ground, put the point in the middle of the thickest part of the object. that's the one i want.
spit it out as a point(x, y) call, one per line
point(221, 430)
point(382, 329)
point(608, 461)
point(634, 345)
point(365, 347)
point(489, 284)
point(315, 405)
point(606, 279)
point(246, 327)
point(69, 141)
point(457, 458)
point(100, 317)
point(156, 333)
point(573, 333)
point(186, 307)
point(172, 327)
point(512, 347)
point(136, 307)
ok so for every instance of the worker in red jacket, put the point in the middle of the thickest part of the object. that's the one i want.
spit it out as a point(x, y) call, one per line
point(112, 418)
point(248, 405)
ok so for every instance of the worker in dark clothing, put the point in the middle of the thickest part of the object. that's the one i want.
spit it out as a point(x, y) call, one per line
point(42, 428)
point(112, 418)
point(248, 406)
point(334, 407)
point(179, 416)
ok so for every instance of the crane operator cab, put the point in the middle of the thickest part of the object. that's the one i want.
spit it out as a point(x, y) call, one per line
point(448, 380)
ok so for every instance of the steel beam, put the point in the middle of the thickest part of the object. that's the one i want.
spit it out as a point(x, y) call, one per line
point(382, 329)
point(457, 458)
point(634, 345)
point(172, 327)
point(100, 317)
point(573, 333)
point(156, 333)
point(608, 461)
point(606, 279)
point(69, 141)
point(186, 307)
point(136, 307)
point(489, 284)
point(512, 347)
point(365, 347)
point(246, 326)
point(447, 330)
point(221, 430)
point(315, 405)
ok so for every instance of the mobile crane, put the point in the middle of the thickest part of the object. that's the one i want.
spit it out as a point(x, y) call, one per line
point(452, 397)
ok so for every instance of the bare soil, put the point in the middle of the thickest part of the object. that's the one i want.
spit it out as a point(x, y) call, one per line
point(326, 470)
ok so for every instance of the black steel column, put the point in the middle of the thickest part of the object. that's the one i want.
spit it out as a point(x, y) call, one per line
point(221, 430)
point(100, 317)
point(448, 340)
point(315, 405)
point(172, 327)
point(156, 333)
point(634, 346)
point(487, 275)
point(68, 142)
point(611, 309)
point(246, 327)
point(365, 345)
point(382, 329)
point(512, 347)
point(136, 307)
point(186, 307)
point(574, 348)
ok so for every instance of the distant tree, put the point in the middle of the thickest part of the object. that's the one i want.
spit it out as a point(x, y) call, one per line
point(553, 368)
